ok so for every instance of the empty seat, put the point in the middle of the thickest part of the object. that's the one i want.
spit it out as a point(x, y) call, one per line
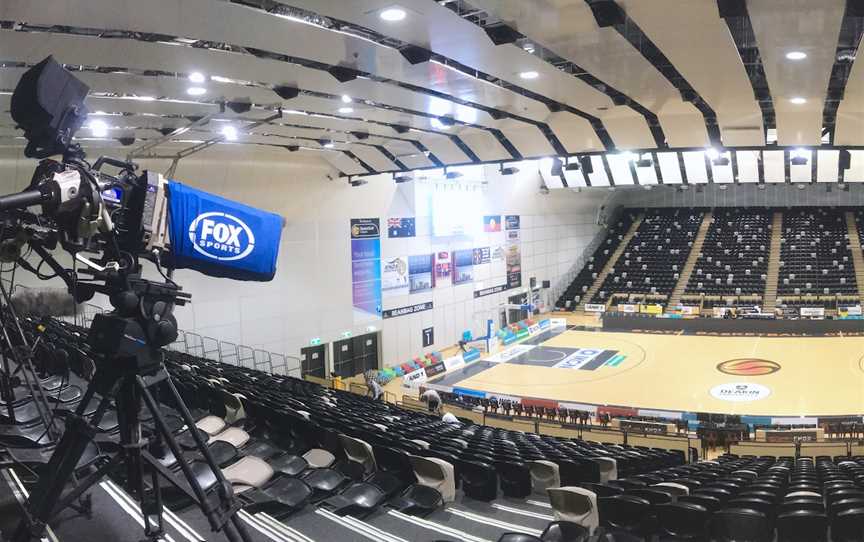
point(318, 458)
point(359, 500)
point(211, 425)
point(674, 489)
point(575, 504)
point(544, 474)
point(608, 468)
point(359, 451)
point(479, 480)
point(418, 500)
point(565, 531)
point(683, 521)
point(436, 473)
point(280, 498)
point(247, 473)
point(802, 526)
point(624, 512)
point(515, 478)
point(736, 524)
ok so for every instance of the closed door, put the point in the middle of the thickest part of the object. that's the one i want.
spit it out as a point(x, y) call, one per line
point(312, 361)
point(366, 352)
point(343, 358)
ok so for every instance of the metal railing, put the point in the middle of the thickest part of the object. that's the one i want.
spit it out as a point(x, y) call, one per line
point(235, 354)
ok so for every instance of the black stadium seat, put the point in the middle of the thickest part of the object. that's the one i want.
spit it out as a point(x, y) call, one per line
point(735, 524)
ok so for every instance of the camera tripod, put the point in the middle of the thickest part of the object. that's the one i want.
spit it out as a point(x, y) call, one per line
point(128, 377)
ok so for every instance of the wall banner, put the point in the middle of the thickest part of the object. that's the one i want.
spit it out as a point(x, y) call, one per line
point(513, 260)
point(394, 276)
point(511, 222)
point(410, 309)
point(442, 268)
point(482, 255)
point(463, 266)
point(489, 291)
point(420, 273)
point(401, 227)
point(366, 267)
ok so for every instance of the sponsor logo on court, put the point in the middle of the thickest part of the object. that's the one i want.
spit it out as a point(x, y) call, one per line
point(583, 358)
point(740, 392)
point(748, 367)
point(510, 353)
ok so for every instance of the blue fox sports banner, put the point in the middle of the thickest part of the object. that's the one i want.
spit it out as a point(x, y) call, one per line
point(401, 227)
point(220, 237)
point(366, 268)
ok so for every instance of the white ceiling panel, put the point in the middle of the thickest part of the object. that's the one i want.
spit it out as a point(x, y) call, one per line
point(628, 129)
point(343, 163)
point(811, 27)
point(706, 56)
point(670, 170)
point(855, 173)
point(443, 148)
point(574, 177)
point(849, 129)
point(529, 141)
point(484, 144)
point(684, 128)
point(748, 166)
point(694, 167)
point(802, 173)
point(646, 175)
point(373, 157)
point(575, 133)
point(774, 164)
point(598, 177)
point(827, 166)
point(619, 165)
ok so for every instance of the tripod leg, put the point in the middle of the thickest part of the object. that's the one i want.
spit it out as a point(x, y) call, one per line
point(235, 530)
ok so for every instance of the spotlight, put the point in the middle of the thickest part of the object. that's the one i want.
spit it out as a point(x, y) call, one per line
point(197, 77)
point(446, 120)
point(572, 166)
point(126, 141)
point(99, 128)
point(357, 182)
point(360, 135)
point(802, 186)
point(497, 114)
point(400, 178)
point(555, 107)
point(293, 148)
point(196, 91)
point(393, 15)
point(509, 170)
point(401, 128)
point(286, 92)
point(165, 130)
point(229, 133)
point(721, 161)
point(760, 187)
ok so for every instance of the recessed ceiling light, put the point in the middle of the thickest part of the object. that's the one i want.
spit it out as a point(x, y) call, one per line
point(346, 110)
point(346, 99)
point(196, 91)
point(99, 128)
point(230, 133)
point(528, 48)
point(712, 153)
point(798, 100)
point(393, 15)
point(529, 75)
point(796, 55)
point(197, 77)
point(329, 145)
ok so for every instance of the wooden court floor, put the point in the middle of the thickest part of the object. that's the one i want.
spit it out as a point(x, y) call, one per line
point(782, 376)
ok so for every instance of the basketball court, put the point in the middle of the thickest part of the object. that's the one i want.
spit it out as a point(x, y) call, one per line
point(759, 376)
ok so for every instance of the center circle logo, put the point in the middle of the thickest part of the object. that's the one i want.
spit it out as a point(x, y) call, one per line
point(221, 236)
point(740, 392)
point(748, 367)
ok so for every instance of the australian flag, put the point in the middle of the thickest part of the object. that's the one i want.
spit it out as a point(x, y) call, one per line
point(400, 227)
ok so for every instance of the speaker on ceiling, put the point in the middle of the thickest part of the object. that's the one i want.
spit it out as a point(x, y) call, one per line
point(415, 54)
point(587, 166)
point(501, 34)
point(286, 92)
point(343, 74)
point(845, 159)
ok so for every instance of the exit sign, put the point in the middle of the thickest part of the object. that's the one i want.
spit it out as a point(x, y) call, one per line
point(316, 341)
point(346, 334)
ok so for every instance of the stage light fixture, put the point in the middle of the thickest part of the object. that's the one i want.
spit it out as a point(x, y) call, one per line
point(293, 148)
point(360, 135)
point(712, 153)
point(644, 162)
point(587, 166)
point(400, 178)
point(799, 157)
point(512, 170)
point(446, 120)
point(126, 141)
point(401, 128)
point(844, 160)
point(572, 166)
point(343, 74)
point(843, 186)
point(165, 130)
point(357, 182)
point(326, 143)
point(501, 34)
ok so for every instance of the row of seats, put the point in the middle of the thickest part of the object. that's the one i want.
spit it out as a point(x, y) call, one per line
point(734, 255)
point(815, 256)
point(654, 257)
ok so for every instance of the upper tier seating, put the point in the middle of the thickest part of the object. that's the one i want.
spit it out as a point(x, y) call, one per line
point(734, 256)
point(652, 260)
point(815, 258)
point(597, 261)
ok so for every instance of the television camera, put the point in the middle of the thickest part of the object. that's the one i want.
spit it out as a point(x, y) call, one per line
point(110, 224)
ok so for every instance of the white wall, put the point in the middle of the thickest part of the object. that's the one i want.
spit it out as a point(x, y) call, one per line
point(311, 294)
